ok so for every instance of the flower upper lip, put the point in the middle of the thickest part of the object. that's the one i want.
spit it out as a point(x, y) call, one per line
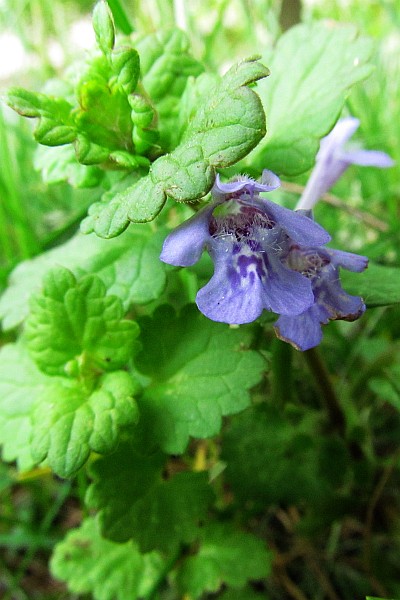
point(184, 246)
point(243, 184)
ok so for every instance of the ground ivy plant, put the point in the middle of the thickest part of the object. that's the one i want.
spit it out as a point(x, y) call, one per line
point(130, 345)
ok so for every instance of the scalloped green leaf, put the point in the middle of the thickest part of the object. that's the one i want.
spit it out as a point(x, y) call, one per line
point(136, 501)
point(60, 419)
point(69, 421)
point(55, 126)
point(97, 119)
point(21, 383)
point(313, 66)
point(129, 266)
point(126, 64)
point(225, 555)
point(74, 321)
point(89, 564)
point(228, 123)
point(200, 371)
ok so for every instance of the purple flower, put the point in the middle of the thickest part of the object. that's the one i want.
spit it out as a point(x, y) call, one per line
point(321, 267)
point(248, 238)
point(333, 160)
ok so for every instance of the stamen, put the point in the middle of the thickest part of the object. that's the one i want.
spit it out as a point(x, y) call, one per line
point(307, 261)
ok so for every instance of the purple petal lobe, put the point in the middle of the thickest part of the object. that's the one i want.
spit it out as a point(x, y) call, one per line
point(285, 291)
point(246, 281)
point(245, 184)
point(231, 187)
point(230, 298)
point(269, 181)
point(184, 246)
point(301, 229)
point(330, 295)
point(304, 331)
point(343, 131)
point(368, 158)
point(348, 260)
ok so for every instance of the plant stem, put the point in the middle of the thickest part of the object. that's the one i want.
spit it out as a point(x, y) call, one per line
point(168, 566)
point(282, 372)
point(328, 394)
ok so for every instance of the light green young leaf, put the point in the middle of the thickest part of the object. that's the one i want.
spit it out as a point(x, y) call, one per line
point(129, 266)
point(59, 418)
point(59, 164)
point(200, 371)
point(313, 67)
point(195, 91)
point(103, 117)
point(21, 383)
point(378, 285)
point(103, 26)
point(225, 556)
point(69, 421)
point(35, 104)
point(74, 321)
point(166, 66)
point(56, 125)
point(126, 64)
point(228, 123)
point(89, 564)
point(136, 502)
point(97, 115)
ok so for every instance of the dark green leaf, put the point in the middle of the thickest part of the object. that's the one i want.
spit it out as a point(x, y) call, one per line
point(260, 447)
point(225, 556)
point(378, 285)
point(313, 66)
point(242, 594)
point(200, 371)
point(135, 501)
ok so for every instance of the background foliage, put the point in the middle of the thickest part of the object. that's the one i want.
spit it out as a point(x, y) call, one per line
point(147, 451)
